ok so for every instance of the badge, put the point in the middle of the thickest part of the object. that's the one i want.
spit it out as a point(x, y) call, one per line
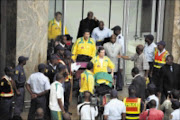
point(17, 72)
point(46, 71)
point(52, 70)
point(22, 73)
point(82, 47)
point(2, 84)
point(98, 65)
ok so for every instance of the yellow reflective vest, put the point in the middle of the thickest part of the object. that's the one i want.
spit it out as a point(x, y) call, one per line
point(6, 89)
point(54, 29)
point(83, 47)
point(102, 68)
point(87, 82)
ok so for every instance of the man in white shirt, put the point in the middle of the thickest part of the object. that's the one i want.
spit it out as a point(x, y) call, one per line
point(152, 90)
point(85, 110)
point(149, 49)
point(119, 38)
point(56, 101)
point(38, 86)
point(115, 109)
point(100, 33)
point(175, 115)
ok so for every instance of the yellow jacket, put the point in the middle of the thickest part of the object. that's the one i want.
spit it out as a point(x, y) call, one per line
point(54, 30)
point(87, 82)
point(106, 63)
point(83, 47)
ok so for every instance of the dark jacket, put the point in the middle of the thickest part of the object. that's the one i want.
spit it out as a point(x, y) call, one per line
point(170, 79)
point(140, 85)
point(87, 24)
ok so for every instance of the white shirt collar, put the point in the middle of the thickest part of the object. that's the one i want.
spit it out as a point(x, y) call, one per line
point(7, 77)
point(62, 44)
point(136, 76)
point(54, 67)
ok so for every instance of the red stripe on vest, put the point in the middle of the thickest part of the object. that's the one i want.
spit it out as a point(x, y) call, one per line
point(132, 109)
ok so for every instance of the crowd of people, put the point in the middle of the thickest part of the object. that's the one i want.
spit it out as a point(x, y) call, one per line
point(153, 94)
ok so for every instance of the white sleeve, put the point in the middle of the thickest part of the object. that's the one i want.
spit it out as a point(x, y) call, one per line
point(47, 84)
point(59, 92)
point(106, 110)
point(29, 80)
point(124, 108)
point(96, 111)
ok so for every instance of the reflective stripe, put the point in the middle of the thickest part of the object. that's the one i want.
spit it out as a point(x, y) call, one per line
point(7, 94)
point(157, 66)
point(160, 60)
point(11, 93)
point(132, 118)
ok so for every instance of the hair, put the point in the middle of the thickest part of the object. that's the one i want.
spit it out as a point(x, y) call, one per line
point(59, 76)
point(90, 12)
point(86, 30)
point(100, 48)
point(132, 90)
point(152, 104)
point(175, 94)
point(87, 95)
point(101, 22)
point(58, 13)
point(41, 69)
point(135, 70)
point(90, 65)
point(140, 47)
point(151, 88)
point(170, 56)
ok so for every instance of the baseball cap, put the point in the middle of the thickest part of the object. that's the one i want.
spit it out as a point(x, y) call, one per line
point(69, 37)
point(54, 57)
point(161, 43)
point(116, 28)
point(22, 58)
point(59, 47)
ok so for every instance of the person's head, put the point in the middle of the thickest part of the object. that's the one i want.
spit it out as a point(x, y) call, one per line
point(117, 30)
point(139, 49)
point(39, 114)
point(151, 88)
point(152, 104)
point(42, 68)
point(67, 54)
point(169, 59)
point(149, 39)
point(132, 90)
point(113, 94)
point(60, 78)
point(60, 49)
point(61, 68)
point(134, 71)
point(63, 39)
point(101, 25)
point(101, 52)
point(86, 34)
point(87, 96)
point(175, 94)
point(90, 15)
point(8, 70)
point(161, 45)
point(113, 38)
point(90, 66)
point(22, 60)
point(58, 16)
point(54, 60)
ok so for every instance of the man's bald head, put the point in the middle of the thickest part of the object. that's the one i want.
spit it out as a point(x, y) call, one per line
point(139, 49)
point(87, 95)
point(101, 25)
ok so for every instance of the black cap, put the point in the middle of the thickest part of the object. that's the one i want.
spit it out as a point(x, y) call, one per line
point(69, 37)
point(8, 69)
point(116, 28)
point(59, 47)
point(54, 57)
point(68, 53)
point(161, 43)
point(22, 58)
point(41, 66)
point(151, 86)
point(150, 37)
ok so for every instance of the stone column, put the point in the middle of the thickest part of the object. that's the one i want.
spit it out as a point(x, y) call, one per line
point(32, 29)
point(176, 33)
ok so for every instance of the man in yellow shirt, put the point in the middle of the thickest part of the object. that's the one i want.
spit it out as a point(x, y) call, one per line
point(102, 62)
point(87, 79)
point(84, 49)
point(55, 27)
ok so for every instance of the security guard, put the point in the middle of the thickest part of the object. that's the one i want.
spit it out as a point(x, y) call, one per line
point(84, 48)
point(55, 27)
point(160, 60)
point(134, 106)
point(6, 94)
point(87, 79)
point(60, 52)
point(102, 62)
point(20, 79)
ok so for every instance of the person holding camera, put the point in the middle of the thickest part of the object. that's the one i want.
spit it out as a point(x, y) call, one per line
point(86, 110)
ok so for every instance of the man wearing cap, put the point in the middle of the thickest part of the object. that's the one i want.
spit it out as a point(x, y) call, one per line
point(100, 33)
point(84, 49)
point(7, 85)
point(20, 79)
point(149, 49)
point(119, 38)
point(114, 109)
point(60, 52)
point(38, 86)
point(160, 55)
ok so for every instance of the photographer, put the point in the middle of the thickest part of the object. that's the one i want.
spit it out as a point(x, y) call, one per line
point(85, 110)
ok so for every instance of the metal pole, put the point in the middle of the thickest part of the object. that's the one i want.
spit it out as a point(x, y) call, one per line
point(110, 2)
point(54, 7)
point(82, 9)
point(153, 16)
point(63, 16)
point(137, 13)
